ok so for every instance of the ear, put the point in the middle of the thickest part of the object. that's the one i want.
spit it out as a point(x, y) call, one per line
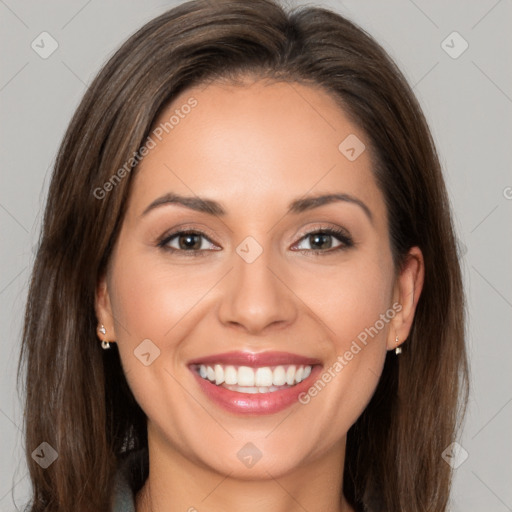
point(103, 308)
point(408, 286)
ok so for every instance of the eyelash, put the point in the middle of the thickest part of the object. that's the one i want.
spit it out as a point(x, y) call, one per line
point(341, 235)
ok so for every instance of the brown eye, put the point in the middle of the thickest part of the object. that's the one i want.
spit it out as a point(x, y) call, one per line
point(320, 241)
point(325, 240)
point(189, 241)
point(192, 242)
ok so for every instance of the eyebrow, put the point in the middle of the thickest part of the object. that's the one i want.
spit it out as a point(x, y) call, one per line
point(297, 206)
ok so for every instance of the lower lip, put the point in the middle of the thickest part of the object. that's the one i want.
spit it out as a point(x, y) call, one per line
point(257, 403)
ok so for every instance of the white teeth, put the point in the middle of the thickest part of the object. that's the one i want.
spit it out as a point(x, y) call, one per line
point(230, 375)
point(245, 376)
point(253, 390)
point(245, 379)
point(279, 376)
point(290, 375)
point(263, 377)
point(219, 374)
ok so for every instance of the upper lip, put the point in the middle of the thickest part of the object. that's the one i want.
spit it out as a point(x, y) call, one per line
point(255, 359)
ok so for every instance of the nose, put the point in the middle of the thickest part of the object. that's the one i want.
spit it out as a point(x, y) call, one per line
point(256, 297)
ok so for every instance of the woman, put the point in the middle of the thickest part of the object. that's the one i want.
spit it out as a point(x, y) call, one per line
point(247, 292)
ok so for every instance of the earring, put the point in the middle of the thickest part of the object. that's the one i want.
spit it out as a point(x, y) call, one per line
point(105, 345)
point(398, 350)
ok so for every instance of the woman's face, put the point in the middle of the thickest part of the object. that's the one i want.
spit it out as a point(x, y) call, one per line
point(257, 291)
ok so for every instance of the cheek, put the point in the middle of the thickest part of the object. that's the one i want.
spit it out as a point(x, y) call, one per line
point(151, 304)
point(360, 312)
point(151, 298)
point(350, 297)
point(163, 303)
point(355, 305)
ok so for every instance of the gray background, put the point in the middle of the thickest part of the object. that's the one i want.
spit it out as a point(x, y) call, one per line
point(467, 101)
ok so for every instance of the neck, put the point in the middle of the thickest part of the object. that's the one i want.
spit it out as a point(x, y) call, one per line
point(175, 483)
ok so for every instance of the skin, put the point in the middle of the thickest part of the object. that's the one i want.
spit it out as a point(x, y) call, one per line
point(253, 148)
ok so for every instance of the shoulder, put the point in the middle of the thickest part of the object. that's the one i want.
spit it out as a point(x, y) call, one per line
point(123, 495)
point(124, 488)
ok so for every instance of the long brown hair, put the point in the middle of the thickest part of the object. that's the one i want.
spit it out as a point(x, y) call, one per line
point(77, 399)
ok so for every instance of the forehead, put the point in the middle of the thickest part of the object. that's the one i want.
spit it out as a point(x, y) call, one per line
point(260, 143)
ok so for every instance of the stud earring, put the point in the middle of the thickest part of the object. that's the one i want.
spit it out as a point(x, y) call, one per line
point(105, 345)
point(398, 350)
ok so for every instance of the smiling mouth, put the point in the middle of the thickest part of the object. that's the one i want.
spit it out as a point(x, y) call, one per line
point(253, 380)
point(258, 383)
